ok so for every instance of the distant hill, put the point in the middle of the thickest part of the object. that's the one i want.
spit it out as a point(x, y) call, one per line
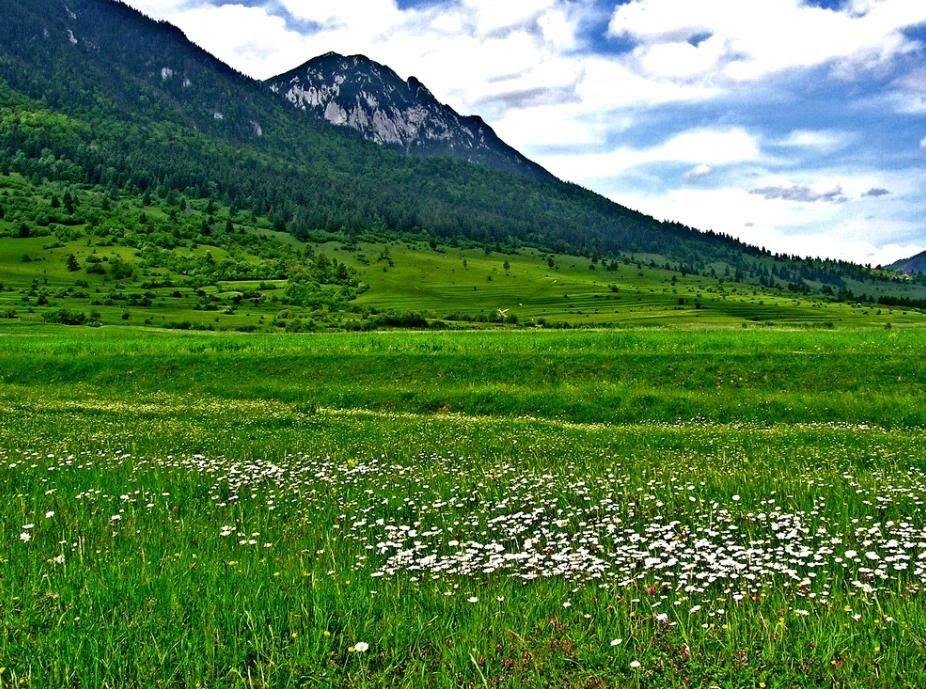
point(356, 92)
point(913, 265)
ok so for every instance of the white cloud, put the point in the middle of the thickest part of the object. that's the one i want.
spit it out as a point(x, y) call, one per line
point(708, 147)
point(697, 172)
point(249, 36)
point(923, 143)
point(609, 84)
point(540, 128)
point(745, 41)
point(159, 9)
point(490, 16)
point(364, 18)
point(818, 140)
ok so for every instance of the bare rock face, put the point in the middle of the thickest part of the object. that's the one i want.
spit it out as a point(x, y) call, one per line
point(356, 92)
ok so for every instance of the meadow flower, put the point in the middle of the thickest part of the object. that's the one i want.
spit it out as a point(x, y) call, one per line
point(25, 537)
point(472, 599)
point(361, 647)
point(616, 642)
point(634, 664)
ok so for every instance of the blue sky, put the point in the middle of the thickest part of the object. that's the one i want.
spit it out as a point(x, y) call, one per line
point(799, 125)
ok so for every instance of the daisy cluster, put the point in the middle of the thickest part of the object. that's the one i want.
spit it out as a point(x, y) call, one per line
point(446, 517)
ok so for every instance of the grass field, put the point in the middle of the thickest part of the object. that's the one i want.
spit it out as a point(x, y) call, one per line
point(594, 509)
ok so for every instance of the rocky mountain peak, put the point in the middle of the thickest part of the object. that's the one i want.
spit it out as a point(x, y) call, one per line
point(357, 92)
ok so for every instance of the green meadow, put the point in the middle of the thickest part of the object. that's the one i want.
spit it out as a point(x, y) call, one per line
point(76, 254)
point(604, 508)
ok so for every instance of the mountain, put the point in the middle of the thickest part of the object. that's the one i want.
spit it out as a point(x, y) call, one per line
point(356, 92)
point(94, 92)
point(95, 95)
point(913, 265)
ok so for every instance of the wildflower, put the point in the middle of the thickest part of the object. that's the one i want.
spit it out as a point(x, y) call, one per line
point(634, 664)
point(472, 599)
point(616, 642)
point(25, 537)
point(361, 647)
point(49, 514)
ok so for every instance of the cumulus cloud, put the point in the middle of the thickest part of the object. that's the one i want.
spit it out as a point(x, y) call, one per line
point(801, 194)
point(250, 36)
point(745, 41)
point(876, 192)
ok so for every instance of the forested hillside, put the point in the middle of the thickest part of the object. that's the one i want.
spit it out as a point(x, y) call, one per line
point(92, 93)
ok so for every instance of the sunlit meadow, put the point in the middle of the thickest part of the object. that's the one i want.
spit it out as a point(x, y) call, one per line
point(726, 508)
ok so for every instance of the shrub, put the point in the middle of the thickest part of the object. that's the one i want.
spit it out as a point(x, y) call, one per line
point(65, 317)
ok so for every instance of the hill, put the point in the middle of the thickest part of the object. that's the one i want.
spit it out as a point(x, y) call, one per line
point(915, 265)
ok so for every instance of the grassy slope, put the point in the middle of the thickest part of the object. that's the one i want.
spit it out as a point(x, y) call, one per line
point(579, 293)
point(442, 282)
point(167, 601)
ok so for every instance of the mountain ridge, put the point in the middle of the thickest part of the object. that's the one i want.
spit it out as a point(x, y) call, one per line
point(371, 98)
